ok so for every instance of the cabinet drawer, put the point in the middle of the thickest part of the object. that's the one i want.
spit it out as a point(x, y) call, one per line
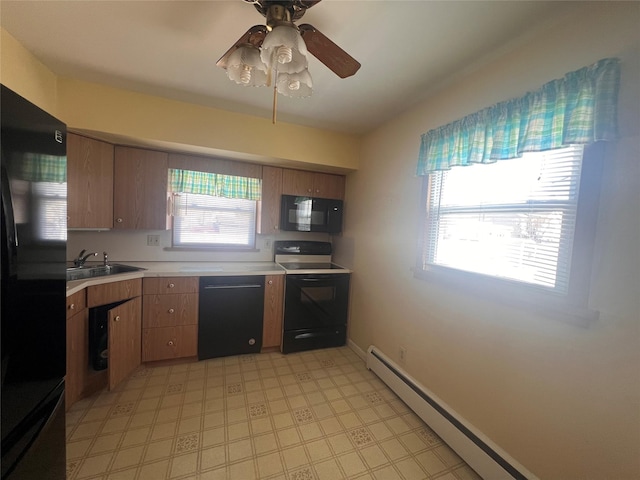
point(170, 310)
point(169, 342)
point(113, 292)
point(156, 286)
point(76, 302)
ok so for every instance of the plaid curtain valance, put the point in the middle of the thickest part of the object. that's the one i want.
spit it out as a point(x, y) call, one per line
point(214, 184)
point(37, 167)
point(580, 108)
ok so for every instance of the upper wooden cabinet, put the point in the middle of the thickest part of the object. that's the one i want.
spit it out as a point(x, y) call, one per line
point(89, 183)
point(312, 184)
point(270, 203)
point(140, 189)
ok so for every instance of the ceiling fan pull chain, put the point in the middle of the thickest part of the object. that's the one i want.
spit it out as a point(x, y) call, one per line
point(275, 103)
point(275, 94)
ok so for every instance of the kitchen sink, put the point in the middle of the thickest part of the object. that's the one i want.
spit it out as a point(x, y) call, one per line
point(79, 273)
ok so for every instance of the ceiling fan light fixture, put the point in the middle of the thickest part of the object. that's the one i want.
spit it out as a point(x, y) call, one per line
point(295, 85)
point(246, 68)
point(284, 45)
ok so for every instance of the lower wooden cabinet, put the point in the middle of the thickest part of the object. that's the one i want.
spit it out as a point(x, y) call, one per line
point(170, 342)
point(170, 318)
point(77, 348)
point(273, 311)
point(124, 340)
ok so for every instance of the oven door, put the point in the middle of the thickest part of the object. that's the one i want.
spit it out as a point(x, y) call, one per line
point(316, 301)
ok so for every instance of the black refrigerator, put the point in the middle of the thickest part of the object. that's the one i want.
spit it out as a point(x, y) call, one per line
point(33, 319)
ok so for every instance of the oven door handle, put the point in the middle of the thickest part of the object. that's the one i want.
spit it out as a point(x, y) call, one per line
point(219, 287)
point(302, 336)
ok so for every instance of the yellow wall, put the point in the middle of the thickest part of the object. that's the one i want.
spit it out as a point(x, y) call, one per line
point(25, 74)
point(165, 123)
point(159, 120)
point(563, 400)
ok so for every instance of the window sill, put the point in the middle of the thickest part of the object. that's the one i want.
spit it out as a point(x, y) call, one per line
point(211, 249)
point(510, 293)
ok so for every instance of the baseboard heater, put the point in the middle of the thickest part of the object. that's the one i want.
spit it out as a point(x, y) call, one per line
point(480, 453)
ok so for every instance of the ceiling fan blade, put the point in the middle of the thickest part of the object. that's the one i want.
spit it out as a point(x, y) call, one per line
point(254, 36)
point(308, 3)
point(336, 59)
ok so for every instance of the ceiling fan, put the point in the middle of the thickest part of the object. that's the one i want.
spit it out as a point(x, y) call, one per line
point(277, 51)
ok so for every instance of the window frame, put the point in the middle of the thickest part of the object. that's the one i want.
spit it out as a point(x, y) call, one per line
point(215, 166)
point(220, 246)
point(571, 307)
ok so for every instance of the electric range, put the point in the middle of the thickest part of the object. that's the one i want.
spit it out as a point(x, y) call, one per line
point(316, 301)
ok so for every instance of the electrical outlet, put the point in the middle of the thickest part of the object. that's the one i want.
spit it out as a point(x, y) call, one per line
point(267, 243)
point(153, 240)
point(403, 354)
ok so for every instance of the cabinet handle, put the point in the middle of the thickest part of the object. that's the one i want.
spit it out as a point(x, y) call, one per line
point(171, 285)
point(170, 343)
point(317, 190)
point(119, 219)
point(270, 282)
point(309, 190)
point(252, 341)
point(171, 310)
point(72, 306)
point(117, 319)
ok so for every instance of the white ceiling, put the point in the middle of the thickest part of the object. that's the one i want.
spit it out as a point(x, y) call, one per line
point(407, 49)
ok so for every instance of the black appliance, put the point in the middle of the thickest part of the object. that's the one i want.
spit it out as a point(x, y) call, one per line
point(316, 303)
point(33, 315)
point(308, 214)
point(230, 315)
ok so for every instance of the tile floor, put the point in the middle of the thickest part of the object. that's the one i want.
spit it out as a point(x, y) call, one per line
point(318, 415)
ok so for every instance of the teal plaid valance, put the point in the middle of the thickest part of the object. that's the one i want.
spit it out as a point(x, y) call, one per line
point(38, 167)
point(580, 108)
point(214, 184)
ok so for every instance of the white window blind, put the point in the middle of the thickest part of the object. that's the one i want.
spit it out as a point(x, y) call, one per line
point(514, 219)
point(206, 220)
point(50, 202)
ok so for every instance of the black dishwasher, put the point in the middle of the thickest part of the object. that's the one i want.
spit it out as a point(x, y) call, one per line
point(230, 315)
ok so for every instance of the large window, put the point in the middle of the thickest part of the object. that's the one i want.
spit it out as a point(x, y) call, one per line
point(515, 223)
point(213, 210)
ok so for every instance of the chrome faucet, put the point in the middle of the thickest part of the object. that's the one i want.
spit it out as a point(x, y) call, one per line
point(105, 261)
point(79, 262)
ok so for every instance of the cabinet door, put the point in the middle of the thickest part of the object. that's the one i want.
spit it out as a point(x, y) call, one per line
point(113, 292)
point(270, 203)
point(273, 311)
point(164, 285)
point(169, 342)
point(125, 340)
point(140, 189)
point(170, 310)
point(297, 182)
point(326, 185)
point(89, 183)
point(77, 356)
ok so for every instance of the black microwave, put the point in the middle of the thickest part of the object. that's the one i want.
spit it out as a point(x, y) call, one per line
point(309, 214)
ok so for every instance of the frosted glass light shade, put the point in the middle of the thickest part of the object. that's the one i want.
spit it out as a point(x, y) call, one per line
point(297, 85)
point(246, 68)
point(284, 50)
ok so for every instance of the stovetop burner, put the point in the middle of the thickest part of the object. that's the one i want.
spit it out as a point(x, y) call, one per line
point(306, 257)
point(310, 265)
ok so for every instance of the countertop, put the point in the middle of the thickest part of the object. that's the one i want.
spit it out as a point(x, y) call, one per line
point(179, 269)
